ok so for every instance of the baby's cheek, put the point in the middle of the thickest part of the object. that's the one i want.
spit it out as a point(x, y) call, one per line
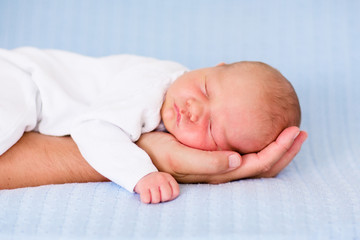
point(195, 141)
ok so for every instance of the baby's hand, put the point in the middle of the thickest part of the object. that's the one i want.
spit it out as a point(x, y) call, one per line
point(157, 187)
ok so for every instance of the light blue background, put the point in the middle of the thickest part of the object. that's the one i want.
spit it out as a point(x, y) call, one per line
point(315, 44)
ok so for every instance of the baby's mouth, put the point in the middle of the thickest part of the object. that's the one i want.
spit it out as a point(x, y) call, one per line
point(178, 115)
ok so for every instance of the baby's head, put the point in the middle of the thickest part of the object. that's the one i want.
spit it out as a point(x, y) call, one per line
point(241, 106)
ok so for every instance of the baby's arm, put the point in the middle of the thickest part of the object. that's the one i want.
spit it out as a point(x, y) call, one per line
point(38, 159)
point(110, 151)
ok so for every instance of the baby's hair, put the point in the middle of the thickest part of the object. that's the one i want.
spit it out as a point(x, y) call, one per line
point(281, 108)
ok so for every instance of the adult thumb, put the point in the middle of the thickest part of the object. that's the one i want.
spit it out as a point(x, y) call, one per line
point(195, 161)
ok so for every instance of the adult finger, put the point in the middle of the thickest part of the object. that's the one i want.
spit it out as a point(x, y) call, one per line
point(269, 156)
point(194, 161)
point(287, 158)
point(183, 160)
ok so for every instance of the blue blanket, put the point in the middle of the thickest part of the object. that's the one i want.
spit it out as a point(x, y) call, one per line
point(315, 44)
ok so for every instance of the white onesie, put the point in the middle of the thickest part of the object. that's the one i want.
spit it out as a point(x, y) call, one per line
point(105, 104)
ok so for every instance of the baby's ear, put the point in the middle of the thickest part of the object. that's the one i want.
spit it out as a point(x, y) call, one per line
point(220, 64)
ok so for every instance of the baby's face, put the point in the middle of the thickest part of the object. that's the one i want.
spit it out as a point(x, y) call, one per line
point(214, 109)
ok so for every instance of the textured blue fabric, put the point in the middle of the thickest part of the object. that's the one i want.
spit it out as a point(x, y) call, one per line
point(315, 44)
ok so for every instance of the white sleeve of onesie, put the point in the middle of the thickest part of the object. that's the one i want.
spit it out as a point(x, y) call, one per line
point(109, 150)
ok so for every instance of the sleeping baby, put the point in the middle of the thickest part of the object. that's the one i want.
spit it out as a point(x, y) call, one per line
point(106, 103)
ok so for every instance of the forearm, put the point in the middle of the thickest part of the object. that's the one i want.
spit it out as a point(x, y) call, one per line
point(39, 160)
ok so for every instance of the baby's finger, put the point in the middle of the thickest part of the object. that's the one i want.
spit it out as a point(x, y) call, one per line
point(155, 194)
point(145, 196)
point(165, 192)
point(174, 189)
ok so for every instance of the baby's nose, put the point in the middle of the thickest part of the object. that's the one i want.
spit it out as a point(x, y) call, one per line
point(194, 110)
point(194, 118)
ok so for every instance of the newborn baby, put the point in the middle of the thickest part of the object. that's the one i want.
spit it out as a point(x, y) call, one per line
point(241, 106)
point(105, 104)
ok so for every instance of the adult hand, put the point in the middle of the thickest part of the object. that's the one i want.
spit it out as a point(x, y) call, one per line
point(189, 165)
